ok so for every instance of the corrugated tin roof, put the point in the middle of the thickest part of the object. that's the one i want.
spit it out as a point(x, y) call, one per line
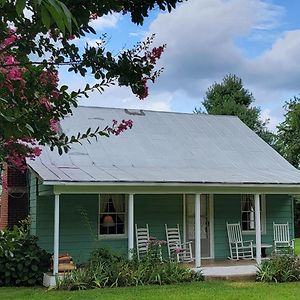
point(165, 147)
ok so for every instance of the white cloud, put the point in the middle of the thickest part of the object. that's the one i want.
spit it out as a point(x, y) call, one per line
point(201, 48)
point(200, 37)
point(266, 114)
point(279, 67)
point(28, 14)
point(140, 34)
point(122, 97)
point(268, 15)
point(107, 21)
point(94, 42)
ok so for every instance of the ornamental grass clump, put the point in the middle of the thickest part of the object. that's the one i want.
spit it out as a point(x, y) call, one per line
point(280, 268)
point(107, 270)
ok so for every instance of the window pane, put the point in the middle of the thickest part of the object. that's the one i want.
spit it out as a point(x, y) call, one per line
point(112, 214)
point(248, 212)
point(120, 229)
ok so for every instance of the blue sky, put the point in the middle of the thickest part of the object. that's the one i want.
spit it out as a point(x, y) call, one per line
point(206, 39)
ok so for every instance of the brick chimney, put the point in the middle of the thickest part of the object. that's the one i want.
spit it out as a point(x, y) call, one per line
point(14, 199)
point(4, 201)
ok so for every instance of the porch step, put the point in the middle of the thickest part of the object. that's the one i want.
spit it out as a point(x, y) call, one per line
point(235, 273)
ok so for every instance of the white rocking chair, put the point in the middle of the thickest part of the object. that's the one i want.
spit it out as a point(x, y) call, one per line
point(282, 242)
point(142, 240)
point(181, 252)
point(239, 249)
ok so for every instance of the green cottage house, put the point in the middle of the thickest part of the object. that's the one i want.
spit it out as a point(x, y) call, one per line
point(198, 171)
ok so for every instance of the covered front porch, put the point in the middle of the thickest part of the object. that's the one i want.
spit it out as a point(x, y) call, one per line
point(207, 230)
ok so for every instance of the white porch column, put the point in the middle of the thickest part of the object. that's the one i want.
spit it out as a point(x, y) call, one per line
point(56, 234)
point(130, 225)
point(257, 228)
point(197, 231)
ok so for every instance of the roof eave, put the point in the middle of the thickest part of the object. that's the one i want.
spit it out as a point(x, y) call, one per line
point(173, 187)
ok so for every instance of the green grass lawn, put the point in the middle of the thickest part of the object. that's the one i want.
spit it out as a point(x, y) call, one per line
point(201, 290)
point(297, 246)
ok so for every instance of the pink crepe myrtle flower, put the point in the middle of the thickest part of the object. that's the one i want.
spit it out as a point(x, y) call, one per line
point(93, 16)
point(156, 54)
point(19, 149)
point(49, 77)
point(71, 37)
point(14, 74)
point(145, 92)
point(10, 60)
point(45, 102)
point(11, 71)
point(37, 151)
point(54, 125)
point(12, 37)
point(122, 126)
point(55, 94)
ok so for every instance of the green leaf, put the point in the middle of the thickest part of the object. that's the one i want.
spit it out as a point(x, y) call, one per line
point(29, 127)
point(20, 6)
point(45, 17)
point(53, 3)
point(3, 100)
point(68, 19)
point(57, 17)
point(8, 118)
point(34, 267)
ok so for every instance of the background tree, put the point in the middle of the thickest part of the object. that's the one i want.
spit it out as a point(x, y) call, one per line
point(36, 38)
point(288, 133)
point(288, 145)
point(231, 98)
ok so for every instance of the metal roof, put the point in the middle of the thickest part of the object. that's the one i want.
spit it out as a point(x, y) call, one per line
point(165, 147)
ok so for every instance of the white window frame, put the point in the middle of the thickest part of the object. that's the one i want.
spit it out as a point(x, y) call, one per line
point(262, 214)
point(113, 236)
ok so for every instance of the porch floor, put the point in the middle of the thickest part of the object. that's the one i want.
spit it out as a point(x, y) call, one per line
point(228, 269)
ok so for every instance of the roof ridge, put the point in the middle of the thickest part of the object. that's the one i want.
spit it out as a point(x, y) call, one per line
point(158, 111)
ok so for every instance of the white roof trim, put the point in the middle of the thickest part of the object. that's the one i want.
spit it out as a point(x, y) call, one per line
point(170, 184)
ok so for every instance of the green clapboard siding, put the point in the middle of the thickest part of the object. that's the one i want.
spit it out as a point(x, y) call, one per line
point(279, 209)
point(78, 226)
point(78, 234)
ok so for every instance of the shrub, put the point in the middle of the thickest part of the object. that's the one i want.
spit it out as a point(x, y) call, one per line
point(279, 268)
point(22, 261)
point(104, 256)
point(106, 270)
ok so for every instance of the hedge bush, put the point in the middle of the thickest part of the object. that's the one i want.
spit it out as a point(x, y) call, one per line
point(22, 261)
point(279, 268)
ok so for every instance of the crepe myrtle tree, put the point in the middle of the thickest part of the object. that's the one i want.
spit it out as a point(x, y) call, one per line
point(36, 38)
